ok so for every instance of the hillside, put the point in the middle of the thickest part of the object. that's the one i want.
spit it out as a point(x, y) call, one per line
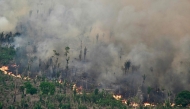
point(40, 93)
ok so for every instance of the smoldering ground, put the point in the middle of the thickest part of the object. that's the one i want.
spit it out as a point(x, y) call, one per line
point(153, 35)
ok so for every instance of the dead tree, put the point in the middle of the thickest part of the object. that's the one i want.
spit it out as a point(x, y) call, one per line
point(97, 36)
point(80, 55)
point(127, 65)
point(85, 51)
point(67, 58)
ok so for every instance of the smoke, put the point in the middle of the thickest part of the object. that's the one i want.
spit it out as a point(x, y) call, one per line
point(153, 35)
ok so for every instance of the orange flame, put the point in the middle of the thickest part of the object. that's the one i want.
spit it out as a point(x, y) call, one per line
point(117, 97)
point(147, 104)
point(78, 89)
point(135, 104)
point(5, 71)
point(124, 101)
point(60, 81)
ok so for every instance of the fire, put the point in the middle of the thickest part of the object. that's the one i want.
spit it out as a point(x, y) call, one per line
point(173, 104)
point(60, 81)
point(18, 76)
point(147, 104)
point(78, 89)
point(74, 87)
point(26, 78)
point(124, 101)
point(5, 71)
point(135, 104)
point(117, 97)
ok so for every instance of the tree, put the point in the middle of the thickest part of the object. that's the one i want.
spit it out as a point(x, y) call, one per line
point(22, 89)
point(85, 51)
point(1, 105)
point(27, 85)
point(47, 87)
point(65, 106)
point(37, 106)
point(67, 58)
point(51, 106)
point(11, 107)
point(149, 89)
point(74, 92)
point(33, 91)
point(29, 88)
point(127, 65)
point(6, 55)
point(96, 91)
point(82, 107)
point(183, 98)
point(60, 98)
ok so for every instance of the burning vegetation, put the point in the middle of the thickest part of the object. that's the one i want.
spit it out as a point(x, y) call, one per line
point(77, 89)
point(137, 50)
point(5, 70)
point(117, 97)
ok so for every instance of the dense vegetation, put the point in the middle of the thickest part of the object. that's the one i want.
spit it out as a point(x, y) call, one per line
point(42, 93)
point(38, 93)
point(183, 98)
point(6, 54)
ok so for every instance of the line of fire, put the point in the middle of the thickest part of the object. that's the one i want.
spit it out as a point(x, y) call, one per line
point(8, 70)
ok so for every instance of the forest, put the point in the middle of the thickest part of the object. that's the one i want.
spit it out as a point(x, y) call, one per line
point(94, 54)
point(63, 90)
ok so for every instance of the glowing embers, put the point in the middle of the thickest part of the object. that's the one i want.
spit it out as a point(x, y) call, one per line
point(134, 104)
point(147, 104)
point(5, 69)
point(124, 101)
point(117, 97)
point(78, 89)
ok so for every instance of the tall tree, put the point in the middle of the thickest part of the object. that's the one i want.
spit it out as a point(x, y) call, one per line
point(127, 65)
point(67, 58)
point(85, 51)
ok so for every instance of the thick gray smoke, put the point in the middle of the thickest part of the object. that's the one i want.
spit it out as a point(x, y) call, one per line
point(153, 35)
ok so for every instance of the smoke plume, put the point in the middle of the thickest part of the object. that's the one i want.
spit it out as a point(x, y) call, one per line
point(152, 35)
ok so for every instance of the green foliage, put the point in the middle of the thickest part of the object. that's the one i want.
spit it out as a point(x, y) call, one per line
point(24, 103)
point(29, 88)
point(66, 50)
point(149, 89)
point(50, 106)
point(6, 54)
point(11, 107)
point(96, 91)
point(47, 88)
point(21, 88)
point(1, 105)
point(27, 85)
point(183, 98)
point(37, 106)
point(74, 92)
point(82, 107)
point(100, 98)
point(60, 98)
point(167, 104)
point(128, 102)
point(65, 106)
point(33, 91)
